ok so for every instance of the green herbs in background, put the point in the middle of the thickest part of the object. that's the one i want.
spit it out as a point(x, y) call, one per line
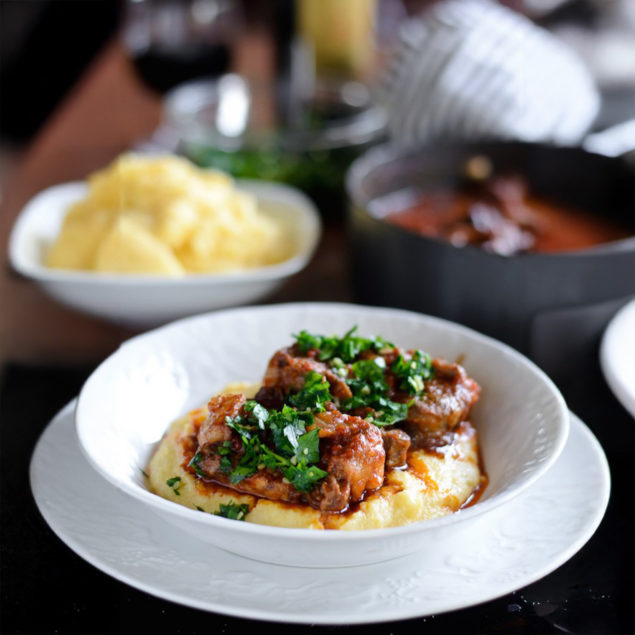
point(175, 483)
point(315, 171)
point(232, 510)
point(345, 348)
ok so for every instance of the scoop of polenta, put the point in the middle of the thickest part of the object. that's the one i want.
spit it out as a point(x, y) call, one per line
point(434, 484)
point(165, 216)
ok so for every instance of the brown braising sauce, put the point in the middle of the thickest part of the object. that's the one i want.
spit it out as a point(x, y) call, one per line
point(500, 215)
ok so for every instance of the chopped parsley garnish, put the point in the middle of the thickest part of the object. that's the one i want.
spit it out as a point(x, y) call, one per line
point(413, 372)
point(258, 414)
point(313, 395)
point(175, 483)
point(346, 348)
point(295, 450)
point(232, 510)
point(369, 379)
point(370, 389)
point(307, 448)
point(196, 459)
point(368, 382)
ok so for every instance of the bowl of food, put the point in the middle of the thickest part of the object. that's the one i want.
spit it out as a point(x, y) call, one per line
point(320, 434)
point(529, 243)
point(152, 238)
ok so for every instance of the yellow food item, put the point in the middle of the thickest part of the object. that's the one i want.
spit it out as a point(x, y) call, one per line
point(165, 216)
point(435, 483)
point(130, 248)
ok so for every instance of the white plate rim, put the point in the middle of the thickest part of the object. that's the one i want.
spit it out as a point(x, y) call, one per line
point(581, 434)
point(612, 351)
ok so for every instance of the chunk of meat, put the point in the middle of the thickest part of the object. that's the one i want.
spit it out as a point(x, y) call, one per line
point(287, 371)
point(271, 397)
point(352, 452)
point(214, 430)
point(267, 484)
point(396, 445)
point(446, 402)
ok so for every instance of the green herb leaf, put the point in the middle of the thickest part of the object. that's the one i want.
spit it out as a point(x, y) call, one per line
point(347, 347)
point(294, 450)
point(413, 371)
point(233, 510)
point(389, 412)
point(256, 413)
point(175, 483)
point(313, 395)
point(194, 464)
point(241, 472)
point(370, 390)
point(306, 341)
point(308, 447)
point(242, 426)
point(303, 477)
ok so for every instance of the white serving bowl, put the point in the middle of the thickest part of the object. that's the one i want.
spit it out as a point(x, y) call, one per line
point(144, 300)
point(131, 398)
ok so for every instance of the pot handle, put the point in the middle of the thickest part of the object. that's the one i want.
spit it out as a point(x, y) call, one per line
point(616, 141)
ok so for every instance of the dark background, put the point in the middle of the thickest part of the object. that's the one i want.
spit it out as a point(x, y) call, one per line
point(44, 46)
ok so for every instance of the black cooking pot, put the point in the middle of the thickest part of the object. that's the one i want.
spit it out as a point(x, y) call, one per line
point(550, 306)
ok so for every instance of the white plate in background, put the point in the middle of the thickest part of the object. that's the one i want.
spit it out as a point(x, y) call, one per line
point(617, 356)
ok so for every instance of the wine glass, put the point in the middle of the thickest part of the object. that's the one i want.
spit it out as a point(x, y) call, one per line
point(172, 41)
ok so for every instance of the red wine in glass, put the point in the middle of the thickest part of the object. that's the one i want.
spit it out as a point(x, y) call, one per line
point(172, 41)
point(163, 68)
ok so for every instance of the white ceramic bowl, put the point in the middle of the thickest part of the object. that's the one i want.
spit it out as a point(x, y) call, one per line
point(128, 402)
point(141, 300)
